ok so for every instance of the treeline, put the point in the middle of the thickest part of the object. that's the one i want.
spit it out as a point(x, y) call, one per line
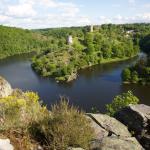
point(56, 58)
point(106, 43)
point(138, 73)
point(145, 44)
point(16, 41)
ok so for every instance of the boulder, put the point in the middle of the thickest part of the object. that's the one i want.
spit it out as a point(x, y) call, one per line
point(137, 118)
point(5, 144)
point(5, 88)
point(111, 125)
point(111, 134)
point(100, 133)
point(115, 143)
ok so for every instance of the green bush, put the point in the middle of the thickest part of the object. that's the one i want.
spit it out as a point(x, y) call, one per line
point(120, 102)
point(19, 110)
point(67, 126)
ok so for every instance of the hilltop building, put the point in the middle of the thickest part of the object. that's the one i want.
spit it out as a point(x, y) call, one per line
point(70, 40)
point(91, 28)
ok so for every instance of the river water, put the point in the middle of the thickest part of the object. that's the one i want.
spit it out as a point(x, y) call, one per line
point(94, 87)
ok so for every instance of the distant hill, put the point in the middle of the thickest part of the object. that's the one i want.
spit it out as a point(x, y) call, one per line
point(16, 41)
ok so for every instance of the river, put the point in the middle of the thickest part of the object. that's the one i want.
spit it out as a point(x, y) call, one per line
point(94, 87)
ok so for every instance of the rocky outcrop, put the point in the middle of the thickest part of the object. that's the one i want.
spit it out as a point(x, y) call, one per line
point(5, 144)
point(100, 132)
point(116, 143)
point(5, 88)
point(137, 118)
point(111, 125)
point(111, 134)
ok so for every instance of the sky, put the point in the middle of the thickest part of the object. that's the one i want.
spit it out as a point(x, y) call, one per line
point(34, 14)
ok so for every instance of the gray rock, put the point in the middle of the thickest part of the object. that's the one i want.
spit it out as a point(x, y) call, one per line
point(100, 133)
point(111, 125)
point(5, 88)
point(137, 118)
point(111, 134)
point(115, 143)
point(5, 144)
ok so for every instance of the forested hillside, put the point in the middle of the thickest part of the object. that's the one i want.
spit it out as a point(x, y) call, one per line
point(106, 43)
point(59, 59)
point(17, 41)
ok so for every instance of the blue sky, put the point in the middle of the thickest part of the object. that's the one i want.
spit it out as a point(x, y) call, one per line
point(58, 13)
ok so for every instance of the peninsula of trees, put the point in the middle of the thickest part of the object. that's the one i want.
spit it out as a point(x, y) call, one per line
point(106, 43)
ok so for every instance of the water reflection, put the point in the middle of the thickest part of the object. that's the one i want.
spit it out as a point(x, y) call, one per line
point(95, 86)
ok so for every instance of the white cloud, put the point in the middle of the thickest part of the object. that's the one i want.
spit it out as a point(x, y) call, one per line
point(41, 13)
point(4, 19)
point(55, 13)
point(118, 19)
point(103, 20)
point(116, 5)
point(21, 10)
point(146, 5)
point(145, 16)
point(132, 1)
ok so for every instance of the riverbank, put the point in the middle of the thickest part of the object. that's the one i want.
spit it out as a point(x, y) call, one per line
point(103, 61)
point(94, 82)
point(30, 53)
point(111, 60)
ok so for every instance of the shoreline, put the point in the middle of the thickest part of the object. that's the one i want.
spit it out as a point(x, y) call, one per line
point(104, 61)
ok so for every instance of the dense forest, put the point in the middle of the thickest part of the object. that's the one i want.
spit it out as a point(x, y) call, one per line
point(140, 72)
point(16, 41)
point(56, 57)
point(105, 43)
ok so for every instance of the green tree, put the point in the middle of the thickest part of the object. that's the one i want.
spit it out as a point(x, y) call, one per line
point(120, 102)
point(126, 75)
point(89, 42)
point(134, 77)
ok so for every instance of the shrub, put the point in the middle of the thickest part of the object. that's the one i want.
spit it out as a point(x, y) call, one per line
point(120, 102)
point(21, 115)
point(66, 127)
point(20, 109)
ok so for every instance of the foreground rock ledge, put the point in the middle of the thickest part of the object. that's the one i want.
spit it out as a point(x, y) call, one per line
point(5, 88)
point(111, 134)
point(137, 118)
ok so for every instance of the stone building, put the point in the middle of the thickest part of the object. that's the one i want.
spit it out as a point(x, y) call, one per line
point(91, 28)
point(70, 40)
